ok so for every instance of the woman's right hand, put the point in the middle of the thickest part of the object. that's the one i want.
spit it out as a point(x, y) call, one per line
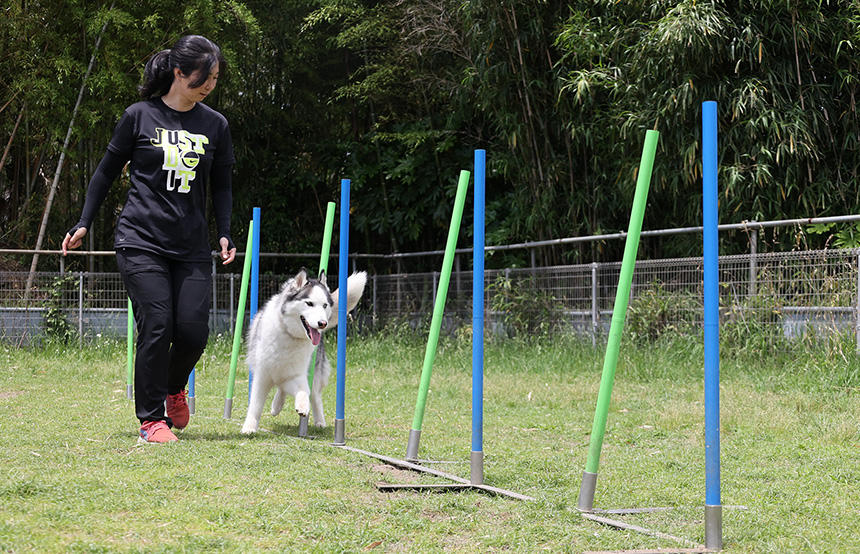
point(74, 241)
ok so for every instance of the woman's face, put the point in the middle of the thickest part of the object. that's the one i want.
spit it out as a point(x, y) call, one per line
point(197, 94)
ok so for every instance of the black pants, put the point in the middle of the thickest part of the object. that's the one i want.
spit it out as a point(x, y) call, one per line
point(170, 299)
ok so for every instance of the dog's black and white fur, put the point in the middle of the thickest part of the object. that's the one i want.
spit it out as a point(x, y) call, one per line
point(282, 340)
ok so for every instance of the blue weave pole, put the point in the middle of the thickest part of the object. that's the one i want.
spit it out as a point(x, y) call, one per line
point(477, 456)
point(710, 220)
point(342, 266)
point(191, 396)
point(255, 283)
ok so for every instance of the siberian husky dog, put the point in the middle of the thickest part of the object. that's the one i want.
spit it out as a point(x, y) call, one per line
point(282, 339)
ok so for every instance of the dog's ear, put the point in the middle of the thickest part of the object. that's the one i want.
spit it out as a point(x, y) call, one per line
point(301, 278)
point(322, 277)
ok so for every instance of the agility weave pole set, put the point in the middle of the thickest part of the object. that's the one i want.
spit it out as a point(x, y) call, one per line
point(713, 508)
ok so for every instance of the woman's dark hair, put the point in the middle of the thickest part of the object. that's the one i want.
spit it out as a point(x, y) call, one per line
point(189, 54)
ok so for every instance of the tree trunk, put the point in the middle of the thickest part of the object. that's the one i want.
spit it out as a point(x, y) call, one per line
point(12, 137)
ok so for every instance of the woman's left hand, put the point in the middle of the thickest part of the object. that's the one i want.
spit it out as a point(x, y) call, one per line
point(227, 256)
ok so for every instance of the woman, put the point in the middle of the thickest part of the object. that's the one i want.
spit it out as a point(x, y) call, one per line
point(174, 144)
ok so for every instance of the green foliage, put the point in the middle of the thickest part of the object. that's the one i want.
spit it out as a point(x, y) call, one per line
point(396, 94)
point(751, 325)
point(54, 324)
point(657, 312)
point(527, 311)
point(765, 65)
point(840, 236)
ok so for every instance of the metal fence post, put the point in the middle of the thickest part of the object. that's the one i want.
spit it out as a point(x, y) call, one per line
point(857, 308)
point(232, 298)
point(632, 285)
point(398, 290)
point(373, 307)
point(595, 312)
point(80, 308)
point(753, 268)
point(456, 275)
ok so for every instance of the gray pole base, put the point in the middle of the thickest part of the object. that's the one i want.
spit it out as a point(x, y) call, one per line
point(476, 473)
point(303, 426)
point(412, 445)
point(228, 408)
point(339, 432)
point(586, 492)
point(714, 527)
point(192, 405)
point(129, 392)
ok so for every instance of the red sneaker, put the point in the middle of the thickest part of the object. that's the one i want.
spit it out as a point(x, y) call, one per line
point(156, 432)
point(177, 409)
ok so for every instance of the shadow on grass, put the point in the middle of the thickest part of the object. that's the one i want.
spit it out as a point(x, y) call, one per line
point(278, 430)
point(314, 433)
point(188, 436)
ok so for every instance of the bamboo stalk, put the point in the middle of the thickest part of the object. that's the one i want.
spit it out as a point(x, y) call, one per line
point(12, 137)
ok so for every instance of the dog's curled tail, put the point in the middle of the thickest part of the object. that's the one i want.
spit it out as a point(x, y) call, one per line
point(355, 284)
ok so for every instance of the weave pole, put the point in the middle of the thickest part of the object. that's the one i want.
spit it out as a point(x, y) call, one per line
point(342, 266)
point(477, 456)
point(711, 252)
point(255, 283)
point(192, 396)
point(237, 329)
point(324, 255)
point(129, 350)
point(436, 322)
point(619, 311)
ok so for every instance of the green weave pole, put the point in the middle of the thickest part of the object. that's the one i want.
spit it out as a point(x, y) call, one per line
point(324, 252)
point(129, 348)
point(240, 318)
point(621, 297)
point(438, 311)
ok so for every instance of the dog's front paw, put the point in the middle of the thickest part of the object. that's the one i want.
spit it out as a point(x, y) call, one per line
point(303, 403)
point(250, 427)
point(319, 422)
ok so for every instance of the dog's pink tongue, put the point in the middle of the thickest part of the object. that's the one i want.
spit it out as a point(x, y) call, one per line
point(315, 336)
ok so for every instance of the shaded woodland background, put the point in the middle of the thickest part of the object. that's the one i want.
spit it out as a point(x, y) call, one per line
point(396, 95)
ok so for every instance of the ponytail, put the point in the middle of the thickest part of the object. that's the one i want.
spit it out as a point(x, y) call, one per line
point(157, 76)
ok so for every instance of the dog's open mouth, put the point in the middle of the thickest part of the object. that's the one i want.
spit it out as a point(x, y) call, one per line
point(313, 334)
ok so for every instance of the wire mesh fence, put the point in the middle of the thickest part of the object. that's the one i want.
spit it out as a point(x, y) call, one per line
point(781, 296)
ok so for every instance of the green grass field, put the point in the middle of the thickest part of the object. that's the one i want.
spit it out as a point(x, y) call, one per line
point(74, 478)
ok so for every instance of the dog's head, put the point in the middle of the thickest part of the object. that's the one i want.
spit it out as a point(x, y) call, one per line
point(307, 305)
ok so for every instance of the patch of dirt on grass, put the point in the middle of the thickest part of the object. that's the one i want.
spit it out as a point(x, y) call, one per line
point(8, 395)
point(396, 474)
point(436, 516)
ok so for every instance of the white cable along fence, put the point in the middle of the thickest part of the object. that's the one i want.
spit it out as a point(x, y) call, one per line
point(811, 295)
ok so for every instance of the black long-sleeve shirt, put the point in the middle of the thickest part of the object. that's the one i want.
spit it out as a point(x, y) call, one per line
point(173, 155)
